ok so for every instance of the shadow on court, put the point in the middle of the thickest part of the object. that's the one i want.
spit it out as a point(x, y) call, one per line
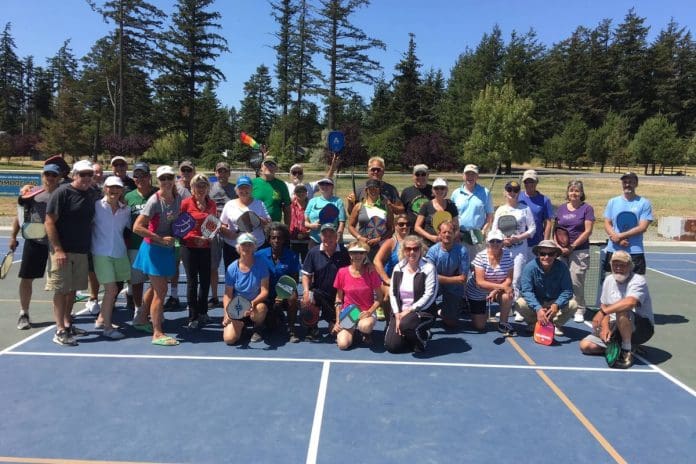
point(664, 319)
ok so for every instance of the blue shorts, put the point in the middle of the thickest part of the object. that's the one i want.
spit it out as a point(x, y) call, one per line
point(155, 260)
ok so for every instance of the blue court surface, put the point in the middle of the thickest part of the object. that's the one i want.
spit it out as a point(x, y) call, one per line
point(678, 265)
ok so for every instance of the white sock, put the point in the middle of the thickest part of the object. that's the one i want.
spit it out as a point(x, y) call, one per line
point(22, 312)
point(136, 312)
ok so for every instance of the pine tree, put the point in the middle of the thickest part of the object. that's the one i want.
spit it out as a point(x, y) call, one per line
point(10, 83)
point(257, 112)
point(406, 95)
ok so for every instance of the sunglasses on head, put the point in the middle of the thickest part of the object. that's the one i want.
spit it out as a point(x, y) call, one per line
point(86, 174)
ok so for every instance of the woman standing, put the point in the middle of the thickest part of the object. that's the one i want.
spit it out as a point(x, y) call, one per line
point(492, 282)
point(424, 221)
point(231, 213)
point(156, 256)
point(412, 292)
point(360, 285)
point(516, 240)
point(326, 197)
point(246, 277)
point(577, 218)
point(195, 254)
point(372, 206)
point(387, 257)
point(299, 233)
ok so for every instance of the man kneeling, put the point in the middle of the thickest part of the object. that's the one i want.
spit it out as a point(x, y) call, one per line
point(626, 307)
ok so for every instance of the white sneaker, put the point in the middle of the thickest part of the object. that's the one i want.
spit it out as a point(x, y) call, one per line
point(93, 306)
point(113, 334)
point(518, 317)
point(579, 318)
point(558, 332)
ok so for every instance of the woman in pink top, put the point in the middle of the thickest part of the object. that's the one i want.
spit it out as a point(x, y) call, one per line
point(360, 285)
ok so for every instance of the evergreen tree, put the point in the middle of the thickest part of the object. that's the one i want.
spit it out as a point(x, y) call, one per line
point(63, 66)
point(257, 112)
point(10, 83)
point(656, 142)
point(406, 95)
point(573, 141)
point(63, 134)
point(284, 12)
point(345, 47)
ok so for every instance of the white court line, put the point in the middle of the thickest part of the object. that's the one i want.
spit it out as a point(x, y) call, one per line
point(672, 276)
point(334, 361)
point(669, 253)
point(658, 370)
point(313, 447)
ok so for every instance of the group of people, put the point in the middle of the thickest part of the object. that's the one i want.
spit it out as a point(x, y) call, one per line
point(433, 257)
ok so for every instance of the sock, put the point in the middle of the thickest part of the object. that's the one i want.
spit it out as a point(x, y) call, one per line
point(626, 346)
point(136, 312)
point(22, 312)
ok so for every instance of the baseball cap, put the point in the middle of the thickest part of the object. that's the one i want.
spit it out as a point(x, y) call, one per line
point(165, 170)
point(300, 188)
point(296, 166)
point(471, 168)
point(328, 226)
point(141, 166)
point(113, 181)
point(495, 235)
point(269, 160)
point(222, 165)
point(246, 237)
point(116, 159)
point(326, 180)
point(420, 168)
point(371, 183)
point(530, 174)
point(630, 175)
point(243, 180)
point(512, 184)
point(54, 168)
point(186, 164)
point(621, 256)
point(83, 165)
point(440, 182)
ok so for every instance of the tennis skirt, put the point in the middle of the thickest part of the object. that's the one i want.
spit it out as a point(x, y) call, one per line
point(155, 260)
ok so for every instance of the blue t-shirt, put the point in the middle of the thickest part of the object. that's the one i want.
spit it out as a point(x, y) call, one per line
point(473, 207)
point(450, 263)
point(542, 210)
point(315, 205)
point(288, 264)
point(639, 206)
point(246, 284)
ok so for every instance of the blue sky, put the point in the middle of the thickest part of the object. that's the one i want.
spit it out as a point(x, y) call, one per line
point(443, 28)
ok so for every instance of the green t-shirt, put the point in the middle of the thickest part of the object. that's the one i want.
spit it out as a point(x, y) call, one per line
point(273, 194)
point(136, 202)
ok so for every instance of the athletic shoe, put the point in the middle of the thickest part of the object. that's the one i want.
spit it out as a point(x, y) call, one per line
point(202, 320)
point(256, 336)
point(92, 306)
point(76, 331)
point(172, 303)
point(113, 334)
point(23, 323)
point(312, 334)
point(293, 338)
point(518, 317)
point(506, 329)
point(100, 325)
point(625, 360)
point(192, 325)
point(579, 318)
point(380, 313)
point(214, 303)
point(558, 331)
point(64, 338)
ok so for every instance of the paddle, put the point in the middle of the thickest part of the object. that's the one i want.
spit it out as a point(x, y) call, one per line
point(285, 287)
point(561, 236)
point(210, 226)
point(33, 231)
point(309, 316)
point(182, 225)
point(626, 220)
point(375, 227)
point(613, 349)
point(237, 308)
point(543, 333)
point(439, 217)
point(328, 214)
point(248, 221)
point(6, 264)
point(507, 224)
point(349, 316)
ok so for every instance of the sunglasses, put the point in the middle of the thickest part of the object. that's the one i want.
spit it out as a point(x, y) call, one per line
point(50, 174)
point(440, 188)
point(402, 224)
point(512, 189)
point(140, 176)
point(376, 169)
point(86, 174)
point(166, 177)
point(296, 173)
point(495, 242)
point(223, 170)
point(421, 174)
point(357, 252)
point(410, 249)
point(545, 254)
point(186, 170)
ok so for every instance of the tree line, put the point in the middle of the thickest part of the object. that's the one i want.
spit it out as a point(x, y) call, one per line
point(603, 95)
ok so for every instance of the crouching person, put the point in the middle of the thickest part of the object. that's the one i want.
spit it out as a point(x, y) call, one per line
point(412, 294)
point(625, 305)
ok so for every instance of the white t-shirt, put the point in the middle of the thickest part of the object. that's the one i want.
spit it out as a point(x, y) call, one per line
point(636, 287)
point(234, 208)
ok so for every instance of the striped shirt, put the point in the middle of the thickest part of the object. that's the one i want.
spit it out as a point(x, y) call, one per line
point(492, 274)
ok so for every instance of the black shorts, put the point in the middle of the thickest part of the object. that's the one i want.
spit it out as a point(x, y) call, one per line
point(638, 262)
point(643, 332)
point(34, 259)
point(478, 307)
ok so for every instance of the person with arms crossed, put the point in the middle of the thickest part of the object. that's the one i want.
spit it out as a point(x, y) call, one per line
point(625, 306)
point(272, 192)
point(540, 206)
point(416, 195)
point(474, 203)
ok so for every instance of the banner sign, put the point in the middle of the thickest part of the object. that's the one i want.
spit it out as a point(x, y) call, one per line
point(11, 182)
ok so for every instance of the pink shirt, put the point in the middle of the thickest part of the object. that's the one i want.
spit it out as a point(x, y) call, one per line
point(357, 290)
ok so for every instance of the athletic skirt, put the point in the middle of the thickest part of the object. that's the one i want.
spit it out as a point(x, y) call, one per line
point(155, 260)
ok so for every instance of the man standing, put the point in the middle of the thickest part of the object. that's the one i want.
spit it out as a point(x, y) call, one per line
point(272, 192)
point(418, 194)
point(375, 171)
point(297, 178)
point(69, 215)
point(475, 205)
point(630, 241)
point(452, 263)
point(221, 192)
point(318, 273)
point(546, 289)
point(625, 305)
point(186, 172)
point(539, 204)
point(119, 165)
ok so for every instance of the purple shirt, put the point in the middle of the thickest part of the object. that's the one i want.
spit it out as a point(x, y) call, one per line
point(574, 221)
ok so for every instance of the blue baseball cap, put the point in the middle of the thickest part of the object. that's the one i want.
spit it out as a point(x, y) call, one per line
point(54, 168)
point(243, 180)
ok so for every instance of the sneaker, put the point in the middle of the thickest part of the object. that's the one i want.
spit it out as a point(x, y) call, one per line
point(579, 318)
point(203, 319)
point(518, 317)
point(76, 331)
point(380, 314)
point(293, 338)
point(558, 331)
point(23, 323)
point(99, 325)
point(64, 338)
point(506, 329)
point(367, 339)
point(312, 334)
point(256, 336)
point(625, 360)
point(172, 303)
point(113, 334)
point(92, 306)
point(214, 303)
point(192, 325)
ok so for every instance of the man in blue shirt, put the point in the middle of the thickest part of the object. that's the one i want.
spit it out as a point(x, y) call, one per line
point(539, 204)
point(630, 241)
point(475, 205)
point(546, 289)
point(452, 263)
